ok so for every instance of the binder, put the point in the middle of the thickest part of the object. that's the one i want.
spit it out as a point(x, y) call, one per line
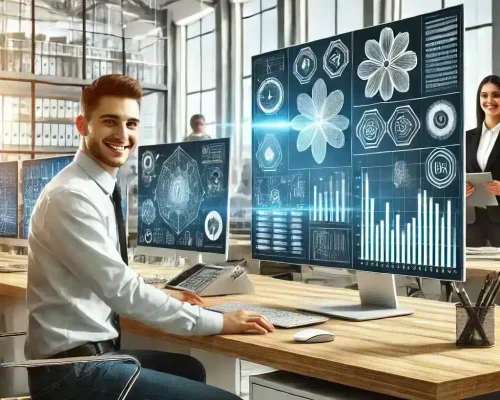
point(54, 135)
point(62, 135)
point(76, 109)
point(46, 109)
point(76, 137)
point(24, 112)
point(15, 108)
point(46, 135)
point(38, 134)
point(23, 133)
point(69, 110)
point(69, 135)
point(53, 108)
point(38, 58)
point(61, 109)
point(7, 133)
point(15, 134)
point(7, 107)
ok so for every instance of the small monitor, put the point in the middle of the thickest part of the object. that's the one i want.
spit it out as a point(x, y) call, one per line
point(36, 175)
point(184, 197)
point(8, 199)
point(358, 151)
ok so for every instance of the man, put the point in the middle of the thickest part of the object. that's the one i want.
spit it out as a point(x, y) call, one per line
point(78, 277)
point(197, 123)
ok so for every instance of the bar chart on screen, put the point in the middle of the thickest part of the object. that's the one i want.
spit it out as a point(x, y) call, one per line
point(402, 219)
point(330, 191)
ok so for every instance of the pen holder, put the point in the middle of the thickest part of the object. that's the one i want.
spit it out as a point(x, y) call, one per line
point(475, 332)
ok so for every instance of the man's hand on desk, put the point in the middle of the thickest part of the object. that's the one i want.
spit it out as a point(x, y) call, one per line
point(188, 297)
point(245, 322)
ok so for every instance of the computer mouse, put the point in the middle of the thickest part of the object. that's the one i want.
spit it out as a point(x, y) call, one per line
point(314, 336)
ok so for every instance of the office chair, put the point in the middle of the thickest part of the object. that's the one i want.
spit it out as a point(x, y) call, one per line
point(76, 360)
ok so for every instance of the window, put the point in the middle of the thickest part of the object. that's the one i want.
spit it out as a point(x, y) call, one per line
point(260, 35)
point(200, 71)
point(327, 18)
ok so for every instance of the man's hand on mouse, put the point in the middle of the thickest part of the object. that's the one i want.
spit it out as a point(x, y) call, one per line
point(245, 322)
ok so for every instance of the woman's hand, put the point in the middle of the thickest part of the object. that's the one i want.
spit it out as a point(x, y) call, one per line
point(188, 297)
point(469, 189)
point(493, 187)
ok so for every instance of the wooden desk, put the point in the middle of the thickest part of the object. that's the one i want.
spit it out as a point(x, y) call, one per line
point(410, 357)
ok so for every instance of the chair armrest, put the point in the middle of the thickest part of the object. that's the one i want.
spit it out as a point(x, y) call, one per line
point(11, 334)
point(84, 360)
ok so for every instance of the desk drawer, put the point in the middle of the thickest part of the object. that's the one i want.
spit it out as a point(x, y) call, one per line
point(265, 393)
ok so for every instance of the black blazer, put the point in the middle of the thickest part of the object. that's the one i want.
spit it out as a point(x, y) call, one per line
point(472, 138)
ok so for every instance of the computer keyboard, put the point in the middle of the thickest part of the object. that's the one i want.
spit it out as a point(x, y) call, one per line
point(279, 318)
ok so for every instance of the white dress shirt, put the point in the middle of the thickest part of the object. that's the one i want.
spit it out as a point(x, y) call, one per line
point(76, 276)
point(486, 143)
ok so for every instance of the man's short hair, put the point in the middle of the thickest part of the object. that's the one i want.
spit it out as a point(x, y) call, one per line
point(196, 117)
point(109, 85)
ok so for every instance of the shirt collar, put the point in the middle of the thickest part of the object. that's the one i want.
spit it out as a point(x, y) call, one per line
point(495, 130)
point(95, 171)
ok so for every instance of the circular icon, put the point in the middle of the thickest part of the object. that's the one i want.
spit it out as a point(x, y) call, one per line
point(213, 225)
point(441, 119)
point(148, 162)
point(148, 236)
point(441, 167)
point(270, 96)
point(148, 213)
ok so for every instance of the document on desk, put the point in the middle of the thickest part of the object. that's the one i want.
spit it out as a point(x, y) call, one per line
point(481, 197)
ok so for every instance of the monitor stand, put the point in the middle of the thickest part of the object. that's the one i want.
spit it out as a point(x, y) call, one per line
point(378, 300)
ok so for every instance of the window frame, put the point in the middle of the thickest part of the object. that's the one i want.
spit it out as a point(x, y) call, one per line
point(199, 35)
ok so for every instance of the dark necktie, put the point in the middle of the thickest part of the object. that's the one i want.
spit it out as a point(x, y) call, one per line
point(117, 203)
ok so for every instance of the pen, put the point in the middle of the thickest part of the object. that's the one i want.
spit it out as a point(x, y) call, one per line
point(493, 289)
point(486, 283)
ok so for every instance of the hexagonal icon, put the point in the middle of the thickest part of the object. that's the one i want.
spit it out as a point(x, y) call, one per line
point(305, 65)
point(403, 126)
point(269, 154)
point(179, 192)
point(441, 167)
point(371, 129)
point(335, 59)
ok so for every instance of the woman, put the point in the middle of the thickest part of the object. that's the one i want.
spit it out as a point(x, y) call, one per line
point(483, 155)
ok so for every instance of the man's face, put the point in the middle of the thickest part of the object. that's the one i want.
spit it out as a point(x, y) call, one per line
point(199, 125)
point(111, 133)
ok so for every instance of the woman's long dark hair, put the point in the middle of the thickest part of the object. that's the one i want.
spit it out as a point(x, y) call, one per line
point(479, 111)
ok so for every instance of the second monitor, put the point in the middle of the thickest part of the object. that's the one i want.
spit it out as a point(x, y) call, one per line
point(183, 198)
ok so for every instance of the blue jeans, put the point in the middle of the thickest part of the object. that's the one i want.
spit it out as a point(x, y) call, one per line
point(165, 376)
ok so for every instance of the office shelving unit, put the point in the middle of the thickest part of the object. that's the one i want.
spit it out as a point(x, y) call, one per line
point(51, 49)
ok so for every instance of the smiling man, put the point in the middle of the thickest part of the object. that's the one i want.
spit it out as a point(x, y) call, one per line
point(79, 280)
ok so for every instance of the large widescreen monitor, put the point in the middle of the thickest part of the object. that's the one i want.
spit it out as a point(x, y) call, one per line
point(183, 196)
point(36, 175)
point(8, 199)
point(358, 150)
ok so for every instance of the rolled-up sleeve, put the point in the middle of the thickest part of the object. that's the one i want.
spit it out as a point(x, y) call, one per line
point(79, 240)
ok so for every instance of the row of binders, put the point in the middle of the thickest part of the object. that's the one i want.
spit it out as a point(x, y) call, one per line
point(19, 109)
point(53, 135)
point(66, 60)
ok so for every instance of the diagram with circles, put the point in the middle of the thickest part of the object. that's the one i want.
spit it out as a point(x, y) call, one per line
point(441, 120)
point(179, 192)
point(357, 138)
point(184, 204)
